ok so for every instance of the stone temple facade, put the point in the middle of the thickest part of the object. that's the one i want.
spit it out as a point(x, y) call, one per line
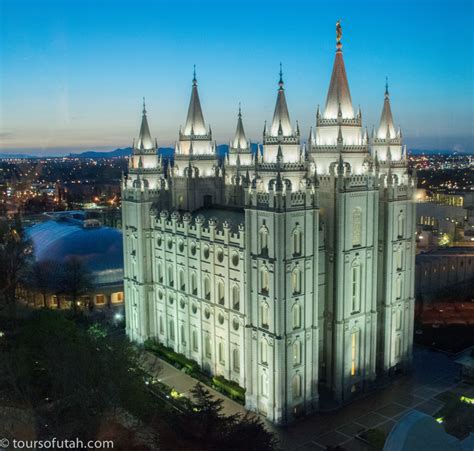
point(288, 268)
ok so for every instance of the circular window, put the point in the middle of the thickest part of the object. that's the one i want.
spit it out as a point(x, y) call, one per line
point(207, 313)
point(182, 304)
point(220, 318)
point(220, 255)
point(171, 300)
point(206, 252)
point(170, 243)
point(181, 246)
point(193, 248)
point(235, 324)
point(194, 308)
point(235, 258)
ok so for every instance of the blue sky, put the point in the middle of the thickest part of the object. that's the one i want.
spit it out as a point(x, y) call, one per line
point(74, 72)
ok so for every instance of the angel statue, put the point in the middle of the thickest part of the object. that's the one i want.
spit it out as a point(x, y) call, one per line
point(338, 31)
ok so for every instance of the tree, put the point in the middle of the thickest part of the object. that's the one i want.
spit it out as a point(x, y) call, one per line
point(41, 278)
point(75, 280)
point(15, 256)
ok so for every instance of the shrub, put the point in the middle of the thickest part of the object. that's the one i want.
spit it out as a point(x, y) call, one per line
point(232, 389)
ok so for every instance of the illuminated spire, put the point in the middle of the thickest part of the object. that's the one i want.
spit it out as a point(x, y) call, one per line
point(144, 141)
point(386, 128)
point(195, 120)
point(240, 140)
point(281, 117)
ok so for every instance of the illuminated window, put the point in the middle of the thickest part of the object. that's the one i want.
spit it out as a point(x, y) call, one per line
point(296, 281)
point(356, 227)
point(355, 288)
point(264, 314)
point(99, 299)
point(354, 351)
point(297, 352)
point(263, 235)
point(296, 316)
point(401, 224)
point(297, 242)
point(264, 280)
point(296, 386)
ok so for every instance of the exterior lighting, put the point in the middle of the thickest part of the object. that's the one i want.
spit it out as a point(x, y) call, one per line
point(440, 420)
point(467, 400)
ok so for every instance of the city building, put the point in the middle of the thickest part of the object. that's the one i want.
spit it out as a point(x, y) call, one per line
point(289, 270)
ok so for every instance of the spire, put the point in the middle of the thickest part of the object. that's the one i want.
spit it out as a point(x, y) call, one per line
point(386, 127)
point(195, 120)
point(240, 140)
point(338, 93)
point(281, 116)
point(144, 138)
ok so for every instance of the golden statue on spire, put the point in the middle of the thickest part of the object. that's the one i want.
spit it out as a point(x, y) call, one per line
point(338, 31)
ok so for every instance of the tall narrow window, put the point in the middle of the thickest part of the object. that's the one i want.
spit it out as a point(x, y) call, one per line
point(236, 359)
point(170, 276)
point(401, 224)
point(264, 385)
point(161, 325)
point(235, 297)
point(297, 242)
point(220, 292)
point(193, 283)
point(263, 351)
point(264, 280)
point(207, 288)
point(296, 281)
point(263, 235)
point(399, 258)
point(159, 270)
point(183, 335)
point(264, 314)
point(171, 326)
point(296, 316)
point(296, 386)
point(355, 287)
point(297, 352)
point(207, 346)
point(398, 320)
point(354, 352)
point(220, 352)
point(356, 227)
point(398, 346)
point(195, 340)
point(182, 282)
point(398, 287)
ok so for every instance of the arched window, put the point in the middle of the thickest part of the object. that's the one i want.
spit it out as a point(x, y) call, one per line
point(195, 340)
point(399, 258)
point(264, 314)
point(297, 352)
point(161, 325)
point(263, 238)
point(355, 287)
point(183, 335)
point(355, 339)
point(401, 224)
point(207, 346)
point(207, 288)
point(296, 316)
point(356, 227)
point(264, 385)
point(171, 327)
point(182, 281)
point(221, 352)
point(220, 292)
point(398, 319)
point(264, 279)
point(263, 351)
point(170, 276)
point(193, 283)
point(296, 281)
point(235, 297)
point(159, 272)
point(398, 287)
point(398, 346)
point(236, 359)
point(297, 242)
point(296, 386)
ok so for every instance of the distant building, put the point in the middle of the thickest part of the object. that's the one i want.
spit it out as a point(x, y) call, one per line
point(290, 270)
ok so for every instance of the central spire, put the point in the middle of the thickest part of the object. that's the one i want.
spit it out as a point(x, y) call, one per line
point(281, 119)
point(339, 95)
point(195, 120)
point(386, 128)
point(144, 138)
point(240, 140)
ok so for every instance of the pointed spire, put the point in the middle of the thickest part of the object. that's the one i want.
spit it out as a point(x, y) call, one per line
point(240, 140)
point(281, 117)
point(144, 138)
point(195, 119)
point(386, 128)
point(280, 155)
point(340, 139)
point(338, 93)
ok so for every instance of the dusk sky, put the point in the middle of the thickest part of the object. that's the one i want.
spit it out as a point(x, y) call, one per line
point(73, 73)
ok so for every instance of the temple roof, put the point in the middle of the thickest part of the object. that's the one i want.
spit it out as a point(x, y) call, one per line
point(281, 117)
point(240, 140)
point(338, 94)
point(195, 120)
point(386, 127)
point(144, 138)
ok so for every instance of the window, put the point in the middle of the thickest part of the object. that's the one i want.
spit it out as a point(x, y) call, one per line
point(264, 314)
point(398, 287)
point(235, 297)
point(220, 318)
point(159, 270)
point(235, 258)
point(264, 385)
point(220, 292)
point(297, 242)
point(220, 352)
point(207, 288)
point(183, 335)
point(263, 235)
point(356, 227)
point(161, 325)
point(194, 289)
point(355, 287)
point(195, 340)
point(297, 352)
point(182, 281)
point(296, 316)
point(354, 352)
point(264, 280)
point(399, 258)
point(171, 325)
point(296, 386)
point(296, 281)
point(398, 320)
point(236, 359)
point(401, 224)
point(99, 299)
point(220, 255)
point(235, 324)
point(207, 346)
point(398, 346)
point(170, 276)
point(263, 351)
